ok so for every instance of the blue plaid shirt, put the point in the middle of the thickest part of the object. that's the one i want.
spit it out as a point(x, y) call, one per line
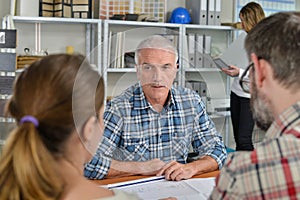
point(134, 131)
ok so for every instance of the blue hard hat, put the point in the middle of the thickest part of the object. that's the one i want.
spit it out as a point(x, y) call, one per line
point(180, 15)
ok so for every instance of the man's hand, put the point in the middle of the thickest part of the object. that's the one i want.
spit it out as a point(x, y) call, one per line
point(176, 171)
point(172, 170)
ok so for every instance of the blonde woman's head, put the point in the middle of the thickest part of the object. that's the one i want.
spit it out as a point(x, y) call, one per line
point(250, 15)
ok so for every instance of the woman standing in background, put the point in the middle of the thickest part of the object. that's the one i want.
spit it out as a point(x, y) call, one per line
point(241, 116)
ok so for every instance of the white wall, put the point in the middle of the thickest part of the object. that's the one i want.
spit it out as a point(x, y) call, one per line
point(227, 11)
point(4, 8)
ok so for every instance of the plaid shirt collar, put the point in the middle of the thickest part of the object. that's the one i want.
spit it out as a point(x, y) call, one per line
point(140, 102)
point(284, 121)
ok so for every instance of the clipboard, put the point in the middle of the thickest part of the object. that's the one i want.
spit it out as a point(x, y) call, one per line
point(220, 63)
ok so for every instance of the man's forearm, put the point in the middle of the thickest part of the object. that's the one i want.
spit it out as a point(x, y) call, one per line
point(119, 169)
point(126, 168)
point(205, 164)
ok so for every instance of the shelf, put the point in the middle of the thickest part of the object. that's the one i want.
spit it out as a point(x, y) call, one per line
point(121, 26)
point(116, 22)
point(54, 20)
point(208, 27)
point(141, 24)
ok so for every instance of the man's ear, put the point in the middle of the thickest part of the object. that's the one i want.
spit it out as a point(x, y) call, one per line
point(259, 70)
point(88, 129)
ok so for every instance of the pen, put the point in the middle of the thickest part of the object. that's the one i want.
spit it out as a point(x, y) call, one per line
point(145, 180)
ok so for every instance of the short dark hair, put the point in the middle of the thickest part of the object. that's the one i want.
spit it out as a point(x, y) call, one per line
point(277, 40)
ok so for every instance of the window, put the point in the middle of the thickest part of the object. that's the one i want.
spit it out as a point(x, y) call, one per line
point(269, 6)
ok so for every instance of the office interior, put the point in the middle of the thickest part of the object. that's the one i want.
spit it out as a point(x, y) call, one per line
point(71, 37)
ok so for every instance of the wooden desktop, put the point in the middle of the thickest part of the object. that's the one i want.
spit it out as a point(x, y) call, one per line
point(129, 178)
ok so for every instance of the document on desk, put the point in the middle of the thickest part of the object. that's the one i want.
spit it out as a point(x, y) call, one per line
point(158, 188)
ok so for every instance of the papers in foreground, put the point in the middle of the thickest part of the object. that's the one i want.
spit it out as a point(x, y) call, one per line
point(158, 187)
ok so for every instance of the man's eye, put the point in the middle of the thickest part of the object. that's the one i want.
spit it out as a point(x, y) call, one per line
point(166, 66)
point(147, 67)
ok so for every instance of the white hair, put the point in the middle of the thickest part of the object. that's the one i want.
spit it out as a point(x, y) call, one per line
point(156, 42)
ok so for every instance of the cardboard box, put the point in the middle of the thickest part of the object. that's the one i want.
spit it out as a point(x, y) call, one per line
point(65, 8)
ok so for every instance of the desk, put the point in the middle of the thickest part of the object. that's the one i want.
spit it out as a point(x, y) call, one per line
point(129, 178)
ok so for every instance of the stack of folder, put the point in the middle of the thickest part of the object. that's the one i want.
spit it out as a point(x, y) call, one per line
point(7, 65)
point(199, 49)
point(204, 12)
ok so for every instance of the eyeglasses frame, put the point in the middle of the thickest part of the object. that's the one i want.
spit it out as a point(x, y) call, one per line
point(242, 79)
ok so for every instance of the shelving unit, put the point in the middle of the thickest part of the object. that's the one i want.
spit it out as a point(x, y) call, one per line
point(49, 33)
point(54, 34)
point(218, 84)
point(7, 78)
point(221, 37)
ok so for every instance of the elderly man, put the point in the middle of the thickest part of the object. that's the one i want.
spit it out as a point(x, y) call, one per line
point(151, 126)
point(271, 171)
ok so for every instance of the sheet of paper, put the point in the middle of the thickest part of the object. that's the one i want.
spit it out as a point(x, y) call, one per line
point(157, 188)
point(204, 185)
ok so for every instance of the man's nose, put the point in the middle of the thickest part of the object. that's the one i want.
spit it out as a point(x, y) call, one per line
point(156, 74)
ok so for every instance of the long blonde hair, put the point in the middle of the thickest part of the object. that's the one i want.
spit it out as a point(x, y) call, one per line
point(45, 90)
point(252, 13)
